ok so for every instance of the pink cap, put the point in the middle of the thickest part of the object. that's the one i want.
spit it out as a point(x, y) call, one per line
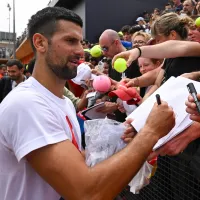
point(130, 95)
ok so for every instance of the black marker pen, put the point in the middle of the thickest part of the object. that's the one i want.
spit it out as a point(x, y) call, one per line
point(193, 92)
point(158, 99)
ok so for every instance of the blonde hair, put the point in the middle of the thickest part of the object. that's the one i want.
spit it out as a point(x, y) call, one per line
point(168, 22)
point(188, 21)
point(146, 36)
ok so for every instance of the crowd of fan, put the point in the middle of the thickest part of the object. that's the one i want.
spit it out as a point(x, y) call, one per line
point(176, 22)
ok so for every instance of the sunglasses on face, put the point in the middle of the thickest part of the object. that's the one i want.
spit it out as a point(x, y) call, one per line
point(105, 48)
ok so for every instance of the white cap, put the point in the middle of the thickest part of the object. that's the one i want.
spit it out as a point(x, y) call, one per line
point(83, 73)
point(139, 19)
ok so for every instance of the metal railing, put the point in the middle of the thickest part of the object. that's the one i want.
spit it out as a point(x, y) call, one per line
point(175, 179)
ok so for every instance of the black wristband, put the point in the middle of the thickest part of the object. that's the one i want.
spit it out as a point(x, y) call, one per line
point(140, 52)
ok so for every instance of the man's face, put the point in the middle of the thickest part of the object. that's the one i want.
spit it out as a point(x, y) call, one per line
point(4, 70)
point(140, 23)
point(188, 7)
point(14, 72)
point(168, 7)
point(108, 47)
point(64, 50)
point(127, 37)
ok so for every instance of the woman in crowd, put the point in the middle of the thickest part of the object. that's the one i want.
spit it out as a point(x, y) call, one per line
point(168, 27)
point(140, 39)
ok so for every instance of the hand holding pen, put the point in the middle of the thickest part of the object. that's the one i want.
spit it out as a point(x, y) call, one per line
point(193, 106)
point(161, 118)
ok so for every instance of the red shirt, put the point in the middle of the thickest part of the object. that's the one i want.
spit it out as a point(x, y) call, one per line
point(76, 89)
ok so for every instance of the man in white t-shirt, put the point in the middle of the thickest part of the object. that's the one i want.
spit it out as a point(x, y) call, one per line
point(40, 141)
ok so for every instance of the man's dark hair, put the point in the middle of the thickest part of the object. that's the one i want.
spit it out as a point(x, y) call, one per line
point(125, 29)
point(16, 62)
point(168, 4)
point(135, 29)
point(45, 21)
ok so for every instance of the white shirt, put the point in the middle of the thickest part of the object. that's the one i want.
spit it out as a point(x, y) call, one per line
point(31, 117)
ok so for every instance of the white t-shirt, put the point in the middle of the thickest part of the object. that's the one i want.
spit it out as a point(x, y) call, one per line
point(31, 117)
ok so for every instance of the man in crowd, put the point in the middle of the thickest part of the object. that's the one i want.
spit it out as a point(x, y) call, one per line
point(111, 45)
point(188, 7)
point(3, 70)
point(15, 76)
point(40, 152)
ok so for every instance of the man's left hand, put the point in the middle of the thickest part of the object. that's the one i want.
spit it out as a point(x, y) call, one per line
point(130, 132)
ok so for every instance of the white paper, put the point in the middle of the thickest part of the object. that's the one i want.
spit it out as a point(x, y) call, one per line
point(175, 93)
point(185, 124)
point(91, 112)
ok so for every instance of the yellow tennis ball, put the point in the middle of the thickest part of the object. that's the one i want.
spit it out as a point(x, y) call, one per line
point(120, 33)
point(120, 65)
point(197, 22)
point(96, 51)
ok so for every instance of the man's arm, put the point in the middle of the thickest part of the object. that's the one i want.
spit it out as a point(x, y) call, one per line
point(64, 168)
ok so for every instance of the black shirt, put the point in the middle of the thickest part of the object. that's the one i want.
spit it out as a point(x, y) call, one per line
point(131, 72)
point(5, 87)
point(178, 66)
point(175, 67)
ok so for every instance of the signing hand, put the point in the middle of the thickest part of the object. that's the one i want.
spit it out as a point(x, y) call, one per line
point(160, 120)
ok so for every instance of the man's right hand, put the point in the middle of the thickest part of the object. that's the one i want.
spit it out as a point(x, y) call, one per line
point(160, 120)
